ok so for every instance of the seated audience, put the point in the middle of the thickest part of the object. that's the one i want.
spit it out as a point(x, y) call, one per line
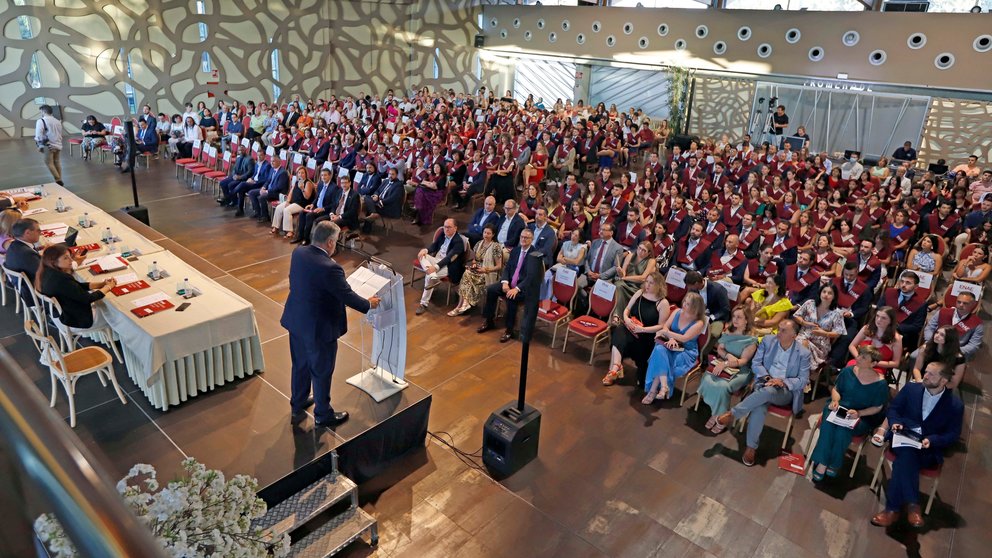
point(924, 257)
point(277, 185)
point(974, 268)
point(677, 348)
point(934, 414)
point(822, 323)
point(770, 306)
point(510, 287)
point(301, 194)
point(482, 271)
point(730, 369)
point(601, 261)
point(7, 219)
point(485, 215)
point(94, 135)
point(326, 192)
point(631, 273)
point(444, 258)
point(964, 317)
point(859, 393)
point(880, 332)
point(429, 193)
point(572, 256)
point(634, 330)
point(910, 305)
point(781, 370)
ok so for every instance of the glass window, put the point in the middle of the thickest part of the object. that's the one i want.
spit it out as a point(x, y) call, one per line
point(276, 90)
point(811, 5)
point(34, 70)
point(437, 63)
point(690, 4)
point(959, 6)
point(132, 101)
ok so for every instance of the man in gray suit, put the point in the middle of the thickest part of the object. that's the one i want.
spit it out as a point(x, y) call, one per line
point(601, 261)
point(781, 371)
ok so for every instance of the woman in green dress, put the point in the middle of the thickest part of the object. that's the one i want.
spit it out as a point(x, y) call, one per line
point(734, 352)
point(863, 393)
point(637, 265)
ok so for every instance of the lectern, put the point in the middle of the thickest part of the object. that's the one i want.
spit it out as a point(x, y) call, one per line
point(384, 377)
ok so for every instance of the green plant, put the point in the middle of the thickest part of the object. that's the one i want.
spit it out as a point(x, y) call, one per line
point(678, 92)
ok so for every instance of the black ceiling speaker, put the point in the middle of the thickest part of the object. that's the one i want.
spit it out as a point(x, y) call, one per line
point(480, 41)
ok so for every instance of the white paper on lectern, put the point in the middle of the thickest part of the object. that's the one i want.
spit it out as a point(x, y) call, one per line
point(366, 283)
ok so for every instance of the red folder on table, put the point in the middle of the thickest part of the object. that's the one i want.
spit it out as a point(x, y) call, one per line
point(88, 247)
point(153, 308)
point(120, 290)
point(95, 269)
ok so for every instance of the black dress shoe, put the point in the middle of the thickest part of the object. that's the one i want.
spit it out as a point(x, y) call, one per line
point(485, 327)
point(221, 201)
point(239, 213)
point(337, 419)
point(507, 335)
point(308, 403)
point(296, 241)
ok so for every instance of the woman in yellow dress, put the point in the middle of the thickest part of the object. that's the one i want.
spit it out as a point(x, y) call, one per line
point(770, 306)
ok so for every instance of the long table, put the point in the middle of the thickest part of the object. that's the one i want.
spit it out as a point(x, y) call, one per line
point(170, 355)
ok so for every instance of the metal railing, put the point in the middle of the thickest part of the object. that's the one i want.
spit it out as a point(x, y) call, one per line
point(54, 466)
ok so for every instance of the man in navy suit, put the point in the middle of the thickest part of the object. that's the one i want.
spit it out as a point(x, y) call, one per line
point(485, 215)
point(509, 287)
point(510, 225)
point(388, 199)
point(544, 236)
point(370, 181)
point(315, 317)
point(244, 169)
point(241, 189)
point(318, 210)
point(146, 137)
point(277, 184)
point(933, 414)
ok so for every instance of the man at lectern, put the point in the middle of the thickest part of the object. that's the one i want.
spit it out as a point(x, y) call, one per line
point(315, 316)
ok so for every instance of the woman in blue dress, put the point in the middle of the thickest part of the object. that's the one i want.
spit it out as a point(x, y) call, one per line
point(863, 393)
point(676, 348)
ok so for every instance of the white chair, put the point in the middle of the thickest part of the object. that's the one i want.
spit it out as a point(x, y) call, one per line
point(68, 368)
point(10, 279)
point(70, 335)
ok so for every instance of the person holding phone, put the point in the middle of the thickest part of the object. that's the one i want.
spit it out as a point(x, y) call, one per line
point(860, 393)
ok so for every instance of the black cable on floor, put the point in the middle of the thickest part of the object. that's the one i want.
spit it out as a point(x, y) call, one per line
point(465, 457)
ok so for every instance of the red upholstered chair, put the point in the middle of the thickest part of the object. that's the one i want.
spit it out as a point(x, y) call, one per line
point(857, 442)
point(889, 456)
point(74, 142)
point(593, 325)
point(182, 163)
point(208, 167)
point(782, 412)
point(557, 314)
point(216, 176)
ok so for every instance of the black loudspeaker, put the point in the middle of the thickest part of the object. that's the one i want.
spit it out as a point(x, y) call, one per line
point(682, 140)
point(139, 212)
point(510, 439)
point(480, 41)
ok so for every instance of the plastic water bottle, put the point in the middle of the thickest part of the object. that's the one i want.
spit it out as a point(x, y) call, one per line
point(187, 289)
point(59, 205)
point(153, 271)
point(106, 235)
point(86, 220)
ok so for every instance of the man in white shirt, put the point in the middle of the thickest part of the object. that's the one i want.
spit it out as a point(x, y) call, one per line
point(442, 259)
point(48, 137)
point(852, 169)
point(190, 113)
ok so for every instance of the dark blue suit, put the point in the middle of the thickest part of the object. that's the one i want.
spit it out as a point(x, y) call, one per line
point(495, 291)
point(513, 233)
point(244, 168)
point(369, 183)
point(315, 316)
point(545, 242)
point(325, 201)
point(147, 139)
point(277, 184)
point(390, 202)
point(479, 222)
point(942, 427)
point(260, 176)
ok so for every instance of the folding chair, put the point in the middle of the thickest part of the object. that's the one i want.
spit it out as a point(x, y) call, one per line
point(857, 441)
point(559, 313)
point(696, 372)
point(889, 456)
point(594, 325)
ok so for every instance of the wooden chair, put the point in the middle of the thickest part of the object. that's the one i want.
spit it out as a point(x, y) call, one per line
point(557, 314)
point(696, 372)
point(11, 280)
point(70, 336)
point(594, 325)
point(69, 368)
point(889, 456)
point(782, 412)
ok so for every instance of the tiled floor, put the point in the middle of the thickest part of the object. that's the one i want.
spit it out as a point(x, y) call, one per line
point(614, 478)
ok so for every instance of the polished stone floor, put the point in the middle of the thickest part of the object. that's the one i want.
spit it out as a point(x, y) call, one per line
point(613, 478)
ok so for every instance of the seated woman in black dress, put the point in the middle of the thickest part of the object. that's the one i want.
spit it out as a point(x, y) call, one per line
point(633, 333)
point(54, 279)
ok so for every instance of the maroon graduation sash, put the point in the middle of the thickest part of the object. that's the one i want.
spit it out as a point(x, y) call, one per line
point(718, 229)
point(685, 255)
point(946, 317)
point(826, 261)
point(847, 299)
point(717, 267)
point(752, 235)
point(903, 312)
point(629, 238)
point(794, 285)
point(761, 275)
point(778, 249)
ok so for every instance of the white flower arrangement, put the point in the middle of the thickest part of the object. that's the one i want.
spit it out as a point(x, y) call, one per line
point(200, 514)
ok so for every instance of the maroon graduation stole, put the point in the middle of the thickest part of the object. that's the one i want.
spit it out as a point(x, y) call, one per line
point(662, 244)
point(798, 285)
point(778, 249)
point(824, 262)
point(755, 272)
point(630, 237)
point(802, 238)
point(903, 312)
point(717, 267)
point(718, 229)
point(946, 317)
point(870, 266)
point(845, 298)
point(840, 241)
point(751, 236)
point(785, 212)
point(940, 226)
point(732, 218)
point(905, 235)
point(685, 256)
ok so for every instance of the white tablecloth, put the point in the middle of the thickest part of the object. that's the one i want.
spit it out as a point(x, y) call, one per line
point(170, 355)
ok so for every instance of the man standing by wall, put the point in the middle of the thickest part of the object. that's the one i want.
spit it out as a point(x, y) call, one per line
point(48, 136)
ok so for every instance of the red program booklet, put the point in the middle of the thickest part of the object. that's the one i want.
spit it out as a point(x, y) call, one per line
point(149, 309)
point(792, 462)
point(120, 290)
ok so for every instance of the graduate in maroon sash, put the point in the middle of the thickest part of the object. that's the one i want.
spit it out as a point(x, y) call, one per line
point(729, 262)
point(910, 305)
point(692, 251)
point(801, 278)
point(759, 269)
point(964, 319)
point(825, 260)
point(630, 232)
point(853, 294)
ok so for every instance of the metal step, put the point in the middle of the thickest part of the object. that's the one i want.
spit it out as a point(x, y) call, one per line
point(306, 504)
point(337, 533)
